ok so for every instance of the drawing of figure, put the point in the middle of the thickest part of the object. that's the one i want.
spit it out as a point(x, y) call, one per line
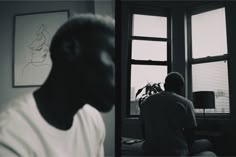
point(39, 48)
point(39, 54)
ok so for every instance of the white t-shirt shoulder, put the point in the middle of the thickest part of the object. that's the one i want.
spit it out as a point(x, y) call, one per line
point(93, 130)
point(23, 132)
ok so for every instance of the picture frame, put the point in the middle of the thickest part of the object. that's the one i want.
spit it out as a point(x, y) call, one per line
point(33, 33)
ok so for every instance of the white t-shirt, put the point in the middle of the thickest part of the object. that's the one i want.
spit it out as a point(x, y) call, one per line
point(164, 116)
point(24, 132)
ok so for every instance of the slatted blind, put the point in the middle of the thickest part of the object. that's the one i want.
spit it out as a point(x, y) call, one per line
point(209, 41)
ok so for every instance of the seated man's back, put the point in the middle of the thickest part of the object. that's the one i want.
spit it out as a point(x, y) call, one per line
point(164, 116)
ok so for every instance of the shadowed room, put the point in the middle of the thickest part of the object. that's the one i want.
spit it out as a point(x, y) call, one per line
point(193, 38)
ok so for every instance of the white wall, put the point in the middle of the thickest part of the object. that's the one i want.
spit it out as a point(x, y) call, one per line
point(7, 12)
point(107, 7)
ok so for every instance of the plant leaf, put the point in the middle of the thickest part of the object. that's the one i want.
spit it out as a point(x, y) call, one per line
point(139, 91)
point(148, 87)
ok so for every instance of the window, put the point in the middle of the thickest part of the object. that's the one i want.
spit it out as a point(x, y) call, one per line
point(148, 53)
point(209, 57)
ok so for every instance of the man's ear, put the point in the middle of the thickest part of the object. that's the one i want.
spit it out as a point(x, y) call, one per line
point(71, 49)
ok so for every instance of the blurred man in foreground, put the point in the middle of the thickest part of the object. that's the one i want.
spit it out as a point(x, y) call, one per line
point(61, 118)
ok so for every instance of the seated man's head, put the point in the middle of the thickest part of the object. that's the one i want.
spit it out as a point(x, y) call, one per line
point(174, 82)
point(82, 53)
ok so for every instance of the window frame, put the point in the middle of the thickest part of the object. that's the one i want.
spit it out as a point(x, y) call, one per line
point(210, 59)
point(153, 12)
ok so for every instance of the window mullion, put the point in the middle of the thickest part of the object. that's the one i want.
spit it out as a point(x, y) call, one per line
point(209, 59)
point(148, 38)
point(148, 62)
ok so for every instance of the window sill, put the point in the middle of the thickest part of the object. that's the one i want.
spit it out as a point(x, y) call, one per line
point(214, 116)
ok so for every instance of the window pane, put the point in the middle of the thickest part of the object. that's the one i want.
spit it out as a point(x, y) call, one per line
point(149, 26)
point(209, 34)
point(140, 76)
point(214, 77)
point(149, 50)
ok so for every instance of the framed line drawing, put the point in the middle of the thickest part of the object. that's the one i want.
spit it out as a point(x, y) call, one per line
point(32, 36)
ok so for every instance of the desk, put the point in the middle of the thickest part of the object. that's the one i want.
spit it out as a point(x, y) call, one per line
point(215, 137)
point(208, 133)
point(131, 147)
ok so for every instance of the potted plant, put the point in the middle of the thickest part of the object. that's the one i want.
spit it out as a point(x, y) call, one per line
point(150, 89)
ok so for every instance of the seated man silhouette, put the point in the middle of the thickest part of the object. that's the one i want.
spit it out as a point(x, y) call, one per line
point(61, 118)
point(169, 121)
